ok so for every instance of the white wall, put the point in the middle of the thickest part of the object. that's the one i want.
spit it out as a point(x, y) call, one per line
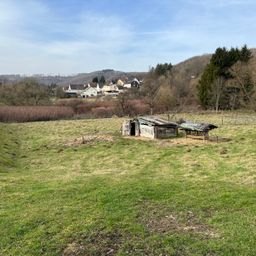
point(147, 131)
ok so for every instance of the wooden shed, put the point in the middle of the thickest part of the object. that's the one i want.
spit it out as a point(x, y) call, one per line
point(197, 129)
point(150, 127)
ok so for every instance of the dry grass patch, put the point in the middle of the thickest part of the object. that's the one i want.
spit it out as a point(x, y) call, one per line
point(162, 221)
point(184, 223)
point(98, 243)
point(89, 139)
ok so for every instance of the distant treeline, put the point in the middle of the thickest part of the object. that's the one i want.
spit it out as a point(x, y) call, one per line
point(228, 81)
point(28, 92)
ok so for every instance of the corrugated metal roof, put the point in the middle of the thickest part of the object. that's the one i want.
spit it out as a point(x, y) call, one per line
point(200, 127)
point(156, 121)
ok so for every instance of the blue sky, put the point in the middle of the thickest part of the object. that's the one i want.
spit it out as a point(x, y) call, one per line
point(74, 36)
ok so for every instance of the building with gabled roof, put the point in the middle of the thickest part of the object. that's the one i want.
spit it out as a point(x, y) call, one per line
point(76, 88)
point(150, 127)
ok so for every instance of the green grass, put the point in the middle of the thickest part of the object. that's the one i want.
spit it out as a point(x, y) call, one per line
point(9, 145)
point(125, 196)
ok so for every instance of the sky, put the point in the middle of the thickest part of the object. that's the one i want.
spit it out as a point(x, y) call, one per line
point(79, 36)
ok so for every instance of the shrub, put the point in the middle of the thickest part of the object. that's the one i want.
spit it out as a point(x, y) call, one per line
point(73, 103)
point(36, 113)
point(103, 112)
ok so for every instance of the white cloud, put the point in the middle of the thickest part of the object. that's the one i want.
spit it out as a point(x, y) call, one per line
point(76, 46)
point(33, 39)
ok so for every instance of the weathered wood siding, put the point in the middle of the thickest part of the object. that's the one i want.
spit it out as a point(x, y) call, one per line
point(147, 131)
point(149, 127)
point(197, 134)
point(126, 128)
point(137, 129)
point(166, 132)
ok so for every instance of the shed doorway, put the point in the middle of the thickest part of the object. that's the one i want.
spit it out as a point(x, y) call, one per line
point(133, 129)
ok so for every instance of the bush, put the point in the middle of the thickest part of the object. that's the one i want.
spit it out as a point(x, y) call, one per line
point(139, 107)
point(103, 112)
point(36, 113)
point(97, 109)
point(73, 103)
point(107, 108)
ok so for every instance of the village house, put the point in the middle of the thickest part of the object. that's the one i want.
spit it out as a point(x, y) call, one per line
point(120, 82)
point(76, 89)
point(89, 92)
point(135, 83)
point(150, 127)
point(83, 90)
point(111, 90)
point(93, 89)
point(127, 85)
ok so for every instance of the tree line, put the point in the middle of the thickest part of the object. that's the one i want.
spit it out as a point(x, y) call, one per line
point(26, 92)
point(227, 81)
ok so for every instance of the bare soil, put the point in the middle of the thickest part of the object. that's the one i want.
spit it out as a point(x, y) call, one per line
point(98, 243)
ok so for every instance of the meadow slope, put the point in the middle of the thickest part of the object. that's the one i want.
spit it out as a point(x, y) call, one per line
point(79, 188)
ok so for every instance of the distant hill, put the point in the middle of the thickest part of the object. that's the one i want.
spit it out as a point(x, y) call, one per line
point(188, 70)
point(109, 75)
point(192, 67)
point(82, 78)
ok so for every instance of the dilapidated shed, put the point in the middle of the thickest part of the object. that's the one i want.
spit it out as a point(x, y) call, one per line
point(150, 127)
point(197, 129)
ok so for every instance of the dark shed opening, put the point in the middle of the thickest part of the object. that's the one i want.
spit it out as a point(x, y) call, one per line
point(133, 129)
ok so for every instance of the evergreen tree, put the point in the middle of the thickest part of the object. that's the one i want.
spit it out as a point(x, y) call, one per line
point(102, 80)
point(163, 69)
point(245, 54)
point(210, 90)
point(95, 80)
point(205, 83)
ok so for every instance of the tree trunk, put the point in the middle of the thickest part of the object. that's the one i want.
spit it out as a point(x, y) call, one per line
point(151, 110)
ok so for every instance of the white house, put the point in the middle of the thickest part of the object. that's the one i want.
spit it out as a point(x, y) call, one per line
point(89, 92)
point(75, 89)
point(127, 85)
point(99, 90)
point(111, 89)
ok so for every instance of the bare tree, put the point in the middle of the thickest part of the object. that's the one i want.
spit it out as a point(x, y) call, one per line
point(25, 92)
point(150, 89)
point(123, 103)
point(243, 77)
point(217, 90)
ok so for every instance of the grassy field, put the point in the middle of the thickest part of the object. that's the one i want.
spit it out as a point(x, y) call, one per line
point(79, 188)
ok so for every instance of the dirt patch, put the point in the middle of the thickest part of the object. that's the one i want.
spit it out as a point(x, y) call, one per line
point(98, 243)
point(89, 139)
point(74, 249)
point(223, 151)
point(184, 222)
